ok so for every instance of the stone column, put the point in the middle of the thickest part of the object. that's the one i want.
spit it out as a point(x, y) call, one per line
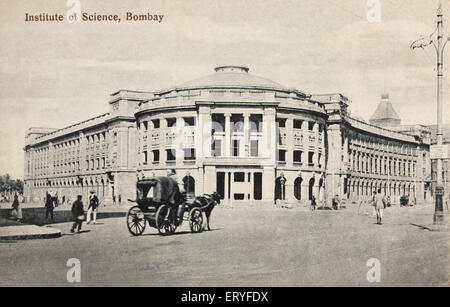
point(227, 140)
point(179, 148)
point(162, 141)
point(227, 178)
point(246, 135)
point(289, 142)
point(203, 128)
point(269, 141)
point(250, 184)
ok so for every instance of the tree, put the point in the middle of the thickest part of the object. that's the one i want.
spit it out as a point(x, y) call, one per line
point(9, 186)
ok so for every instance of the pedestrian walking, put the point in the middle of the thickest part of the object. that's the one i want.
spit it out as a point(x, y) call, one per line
point(78, 214)
point(313, 203)
point(92, 209)
point(379, 206)
point(48, 206)
point(120, 199)
point(16, 209)
point(114, 199)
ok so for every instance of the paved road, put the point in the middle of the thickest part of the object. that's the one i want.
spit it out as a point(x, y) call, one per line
point(277, 247)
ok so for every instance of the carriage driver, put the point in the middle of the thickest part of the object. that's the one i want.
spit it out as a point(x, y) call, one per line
point(180, 210)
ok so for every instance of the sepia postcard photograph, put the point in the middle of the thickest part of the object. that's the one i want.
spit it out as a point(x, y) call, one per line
point(213, 146)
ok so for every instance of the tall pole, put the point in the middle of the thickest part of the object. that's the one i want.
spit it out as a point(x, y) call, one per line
point(439, 45)
point(440, 63)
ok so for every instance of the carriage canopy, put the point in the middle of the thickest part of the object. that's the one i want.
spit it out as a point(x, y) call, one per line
point(158, 189)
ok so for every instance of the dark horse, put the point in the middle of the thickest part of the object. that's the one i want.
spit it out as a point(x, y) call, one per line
point(207, 202)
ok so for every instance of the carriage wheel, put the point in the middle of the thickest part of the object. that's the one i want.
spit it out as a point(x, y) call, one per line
point(136, 221)
point(165, 220)
point(196, 220)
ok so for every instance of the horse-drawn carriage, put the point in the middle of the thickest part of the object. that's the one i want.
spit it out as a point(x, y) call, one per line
point(160, 203)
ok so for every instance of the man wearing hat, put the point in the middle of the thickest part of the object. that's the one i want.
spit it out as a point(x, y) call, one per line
point(78, 214)
point(93, 205)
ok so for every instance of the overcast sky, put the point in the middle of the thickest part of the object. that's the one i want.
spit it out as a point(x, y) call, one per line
point(56, 74)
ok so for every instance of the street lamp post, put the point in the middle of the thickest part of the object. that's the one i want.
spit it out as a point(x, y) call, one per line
point(439, 45)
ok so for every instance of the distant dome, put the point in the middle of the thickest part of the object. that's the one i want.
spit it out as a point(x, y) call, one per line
point(231, 77)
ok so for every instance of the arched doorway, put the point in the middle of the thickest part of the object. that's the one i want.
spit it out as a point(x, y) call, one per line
point(311, 188)
point(280, 188)
point(189, 186)
point(298, 188)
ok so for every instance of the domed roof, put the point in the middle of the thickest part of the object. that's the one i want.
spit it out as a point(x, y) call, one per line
point(231, 77)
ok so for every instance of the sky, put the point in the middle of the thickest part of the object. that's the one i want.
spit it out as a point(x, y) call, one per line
point(53, 74)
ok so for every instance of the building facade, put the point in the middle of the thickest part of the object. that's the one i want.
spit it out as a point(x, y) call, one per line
point(246, 137)
point(445, 161)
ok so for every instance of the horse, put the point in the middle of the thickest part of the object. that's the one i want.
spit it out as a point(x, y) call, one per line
point(207, 202)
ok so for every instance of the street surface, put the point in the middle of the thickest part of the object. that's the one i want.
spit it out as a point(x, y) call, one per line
point(271, 247)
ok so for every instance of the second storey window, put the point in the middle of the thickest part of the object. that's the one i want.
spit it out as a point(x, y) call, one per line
point(216, 148)
point(171, 122)
point(311, 158)
point(155, 155)
point(253, 148)
point(145, 156)
point(155, 123)
point(281, 155)
point(298, 124)
point(297, 156)
point(189, 154)
point(171, 154)
point(235, 148)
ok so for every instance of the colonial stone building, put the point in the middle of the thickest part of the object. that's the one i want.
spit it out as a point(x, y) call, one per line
point(246, 137)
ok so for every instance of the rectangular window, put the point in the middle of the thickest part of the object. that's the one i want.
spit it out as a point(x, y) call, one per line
point(297, 156)
point(155, 155)
point(155, 123)
point(298, 124)
point(189, 121)
point(239, 177)
point(218, 123)
point(189, 154)
point(235, 149)
point(282, 155)
point(145, 156)
point(171, 154)
point(216, 148)
point(237, 123)
point(310, 126)
point(310, 158)
point(171, 122)
point(145, 125)
point(239, 196)
point(255, 123)
point(281, 122)
point(253, 148)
